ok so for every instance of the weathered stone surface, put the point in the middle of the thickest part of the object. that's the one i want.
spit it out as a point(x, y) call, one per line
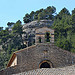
point(42, 33)
point(30, 58)
point(30, 28)
point(35, 24)
point(70, 70)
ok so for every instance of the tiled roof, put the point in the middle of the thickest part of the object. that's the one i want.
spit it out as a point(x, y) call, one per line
point(69, 70)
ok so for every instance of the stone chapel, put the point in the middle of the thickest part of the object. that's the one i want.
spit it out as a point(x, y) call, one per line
point(44, 54)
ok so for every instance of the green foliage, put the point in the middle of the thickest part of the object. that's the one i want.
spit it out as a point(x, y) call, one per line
point(73, 50)
point(4, 35)
point(32, 15)
point(27, 18)
point(17, 28)
point(1, 28)
point(64, 25)
point(73, 22)
point(64, 11)
point(3, 60)
point(11, 42)
point(73, 11)
point(10, 23)
point(35, 17)
point(40, 14)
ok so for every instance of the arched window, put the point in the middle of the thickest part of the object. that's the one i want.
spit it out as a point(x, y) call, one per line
point(40, 40)
point(45, 65)
point(47, 36)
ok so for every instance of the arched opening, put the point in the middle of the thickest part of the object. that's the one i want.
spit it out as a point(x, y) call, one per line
point(47, 36)
point(45, 65)
point(40, 40)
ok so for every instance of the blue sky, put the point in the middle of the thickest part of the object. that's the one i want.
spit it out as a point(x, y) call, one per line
point(13, 10)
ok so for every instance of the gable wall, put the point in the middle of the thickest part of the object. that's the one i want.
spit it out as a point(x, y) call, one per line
point(29, 59)
point(14, 62)
point(57, 56)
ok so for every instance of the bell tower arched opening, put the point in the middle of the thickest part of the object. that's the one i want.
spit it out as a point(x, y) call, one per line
point(47, 36)
point(40, 40)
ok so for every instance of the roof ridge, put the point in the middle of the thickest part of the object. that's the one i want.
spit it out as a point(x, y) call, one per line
point(25, 48)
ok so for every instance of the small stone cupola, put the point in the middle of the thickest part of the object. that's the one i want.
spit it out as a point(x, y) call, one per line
point(43, 35)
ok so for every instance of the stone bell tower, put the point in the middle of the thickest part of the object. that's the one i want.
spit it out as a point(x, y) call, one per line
point(44, 35)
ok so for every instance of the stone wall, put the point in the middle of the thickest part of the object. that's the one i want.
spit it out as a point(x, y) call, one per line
point(41, 33)
point(29, 29)
point(36, 24)
point(30, 58)
point(34, 55)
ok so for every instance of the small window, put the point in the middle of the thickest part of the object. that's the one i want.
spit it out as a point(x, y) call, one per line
point(47, 36)
point(39, 39)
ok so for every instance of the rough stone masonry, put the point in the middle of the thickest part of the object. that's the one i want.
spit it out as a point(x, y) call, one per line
point(33, 57)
